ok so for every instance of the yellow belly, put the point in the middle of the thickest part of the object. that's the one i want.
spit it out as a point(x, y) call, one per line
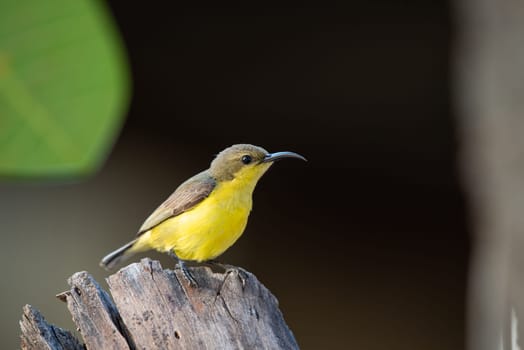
point(207, 230)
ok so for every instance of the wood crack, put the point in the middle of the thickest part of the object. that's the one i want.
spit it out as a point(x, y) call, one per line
point(152, 309)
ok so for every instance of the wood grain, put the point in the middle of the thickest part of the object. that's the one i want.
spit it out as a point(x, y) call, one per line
point(37, 334)
point(157, 309)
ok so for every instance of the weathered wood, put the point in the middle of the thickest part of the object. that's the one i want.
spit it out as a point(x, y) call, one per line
point(162, 311)
point(94, 314)
point(37, 334)
point(158, 309)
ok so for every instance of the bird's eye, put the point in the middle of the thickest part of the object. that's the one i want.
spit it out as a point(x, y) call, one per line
point(246, 159)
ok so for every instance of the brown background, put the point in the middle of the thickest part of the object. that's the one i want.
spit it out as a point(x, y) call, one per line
point(365, 246)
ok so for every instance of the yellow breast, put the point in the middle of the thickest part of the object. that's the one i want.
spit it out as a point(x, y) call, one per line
point(211, 227)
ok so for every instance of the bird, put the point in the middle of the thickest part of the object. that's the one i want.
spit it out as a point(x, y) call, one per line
point(207, 213)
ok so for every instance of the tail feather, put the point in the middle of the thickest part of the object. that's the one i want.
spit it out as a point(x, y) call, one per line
point(113, 258)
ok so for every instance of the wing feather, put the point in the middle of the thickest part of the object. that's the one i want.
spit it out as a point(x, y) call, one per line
point(185, 197)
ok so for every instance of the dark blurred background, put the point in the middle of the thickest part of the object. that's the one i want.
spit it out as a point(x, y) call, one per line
point(365, 246)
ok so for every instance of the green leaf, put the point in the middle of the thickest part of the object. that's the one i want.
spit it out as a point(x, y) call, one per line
point(64, 87)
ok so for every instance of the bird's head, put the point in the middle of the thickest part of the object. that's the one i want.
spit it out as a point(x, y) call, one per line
point(245, 162)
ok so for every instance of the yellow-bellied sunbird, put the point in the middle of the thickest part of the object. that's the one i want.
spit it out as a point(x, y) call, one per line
point(207, 213)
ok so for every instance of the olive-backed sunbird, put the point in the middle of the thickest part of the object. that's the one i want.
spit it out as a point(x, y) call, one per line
point(207, 213)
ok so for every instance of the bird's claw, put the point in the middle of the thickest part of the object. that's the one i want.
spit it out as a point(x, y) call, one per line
point(240, 272)
point(182, 266)
point(192, 282)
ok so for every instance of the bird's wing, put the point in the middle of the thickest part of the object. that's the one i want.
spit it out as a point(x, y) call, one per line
point(185, 197)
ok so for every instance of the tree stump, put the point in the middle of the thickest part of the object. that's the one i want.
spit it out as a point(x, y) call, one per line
point(158, 309)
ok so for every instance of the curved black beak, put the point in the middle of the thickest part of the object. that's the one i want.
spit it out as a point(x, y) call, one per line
point(271, 157)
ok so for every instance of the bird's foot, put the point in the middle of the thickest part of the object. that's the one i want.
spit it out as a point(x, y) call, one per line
point(228, 269)
point(192, 282)
point(180, 264)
